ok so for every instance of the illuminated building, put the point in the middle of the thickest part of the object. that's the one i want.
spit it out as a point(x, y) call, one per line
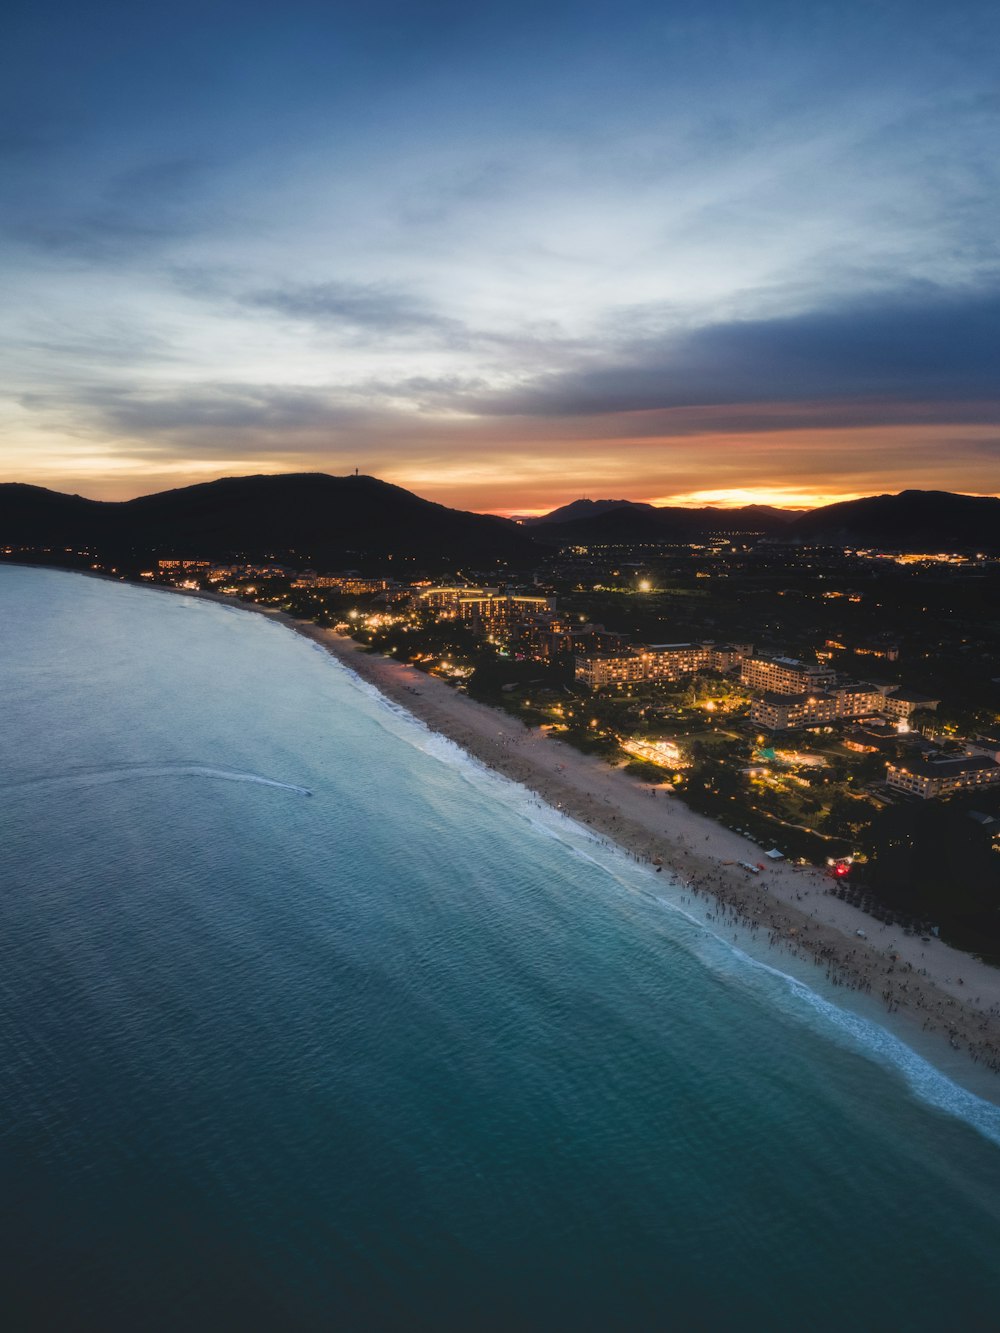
point(342, 583)
point(984, 745)
point(546, 636)
point(502, 607)
point(653, 662)
point(609, 671)
point(943, 776)
point(247, 571)
point(447, 599)
point(902, 704)
point(493, 615)
point(785, 675)
point(785, 712)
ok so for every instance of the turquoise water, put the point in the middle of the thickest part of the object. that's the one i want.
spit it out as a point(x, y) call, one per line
point(309, 1023)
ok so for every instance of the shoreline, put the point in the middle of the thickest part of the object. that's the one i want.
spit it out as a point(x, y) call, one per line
point(787, 906)
point(935, 993)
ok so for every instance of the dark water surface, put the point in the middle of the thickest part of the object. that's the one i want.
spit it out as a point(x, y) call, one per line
point(403, 1053)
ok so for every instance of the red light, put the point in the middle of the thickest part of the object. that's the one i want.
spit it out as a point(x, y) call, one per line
point(841, 869)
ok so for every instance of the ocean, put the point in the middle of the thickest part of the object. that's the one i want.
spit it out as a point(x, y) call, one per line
point(309, 1022)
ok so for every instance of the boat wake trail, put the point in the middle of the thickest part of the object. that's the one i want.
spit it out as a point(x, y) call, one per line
point(98, 777)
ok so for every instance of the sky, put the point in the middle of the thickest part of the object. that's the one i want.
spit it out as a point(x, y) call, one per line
point(504, 255)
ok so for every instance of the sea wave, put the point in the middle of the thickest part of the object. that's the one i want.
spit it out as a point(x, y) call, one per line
point(804, 1003)
point(930, 1084)
point(99, 776)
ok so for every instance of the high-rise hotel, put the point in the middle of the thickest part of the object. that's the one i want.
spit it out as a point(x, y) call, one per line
point(785, 675)
point(651, 662)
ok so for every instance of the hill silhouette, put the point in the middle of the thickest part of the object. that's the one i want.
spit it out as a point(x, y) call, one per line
point(301, 518)
point(313, 519)
point(622, 522)
point(910, 521)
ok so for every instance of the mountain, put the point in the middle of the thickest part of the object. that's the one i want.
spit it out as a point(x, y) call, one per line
point(304, 519)
point(584, 509)
point(32, 515)
point(910, 521)
point(628, 523)
point(330, 522)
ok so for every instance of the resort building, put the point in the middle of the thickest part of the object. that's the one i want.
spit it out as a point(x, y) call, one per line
point(868, 740)
point(786, 712)
point(785, 675)
point(609, 671)
point(544, 638)
point(492, 615)
point(349, 584)
point(902, 704)
point(489, 612)
point(653, 662)
point(447, 599)
point(943, 776)
point(984, 745)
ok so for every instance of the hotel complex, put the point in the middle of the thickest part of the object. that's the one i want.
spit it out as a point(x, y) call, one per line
point(653, 662)
point(785, 675)
point(786, 712)
point(942, 775)
point(788, 693)
point(804, 694)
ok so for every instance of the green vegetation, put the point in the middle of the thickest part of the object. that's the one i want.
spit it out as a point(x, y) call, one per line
point(646, 771)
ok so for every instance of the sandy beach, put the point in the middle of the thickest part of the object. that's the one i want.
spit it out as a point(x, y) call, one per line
point(928, 987)
point(934, 986)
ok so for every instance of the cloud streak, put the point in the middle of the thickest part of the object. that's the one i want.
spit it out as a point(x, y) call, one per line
point(370, 310)
point(922, 346)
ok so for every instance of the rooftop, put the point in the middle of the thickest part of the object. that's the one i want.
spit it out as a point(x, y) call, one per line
point(945, 766)
point(771, 697)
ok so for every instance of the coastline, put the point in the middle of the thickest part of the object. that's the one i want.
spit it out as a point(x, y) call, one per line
point(789, 906)
point(931, 989)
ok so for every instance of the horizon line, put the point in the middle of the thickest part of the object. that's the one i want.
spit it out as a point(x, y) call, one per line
point(790, 499)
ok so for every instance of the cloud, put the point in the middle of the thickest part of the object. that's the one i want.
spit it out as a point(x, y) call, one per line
point(360, 308)
point(916, 346)
point(631, 246)
point(131, 213)
point(255, 413)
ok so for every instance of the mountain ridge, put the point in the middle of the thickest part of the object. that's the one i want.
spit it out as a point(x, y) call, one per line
point(910, 520)
point(576, 509)
point(317, 518)
point(313, 517)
